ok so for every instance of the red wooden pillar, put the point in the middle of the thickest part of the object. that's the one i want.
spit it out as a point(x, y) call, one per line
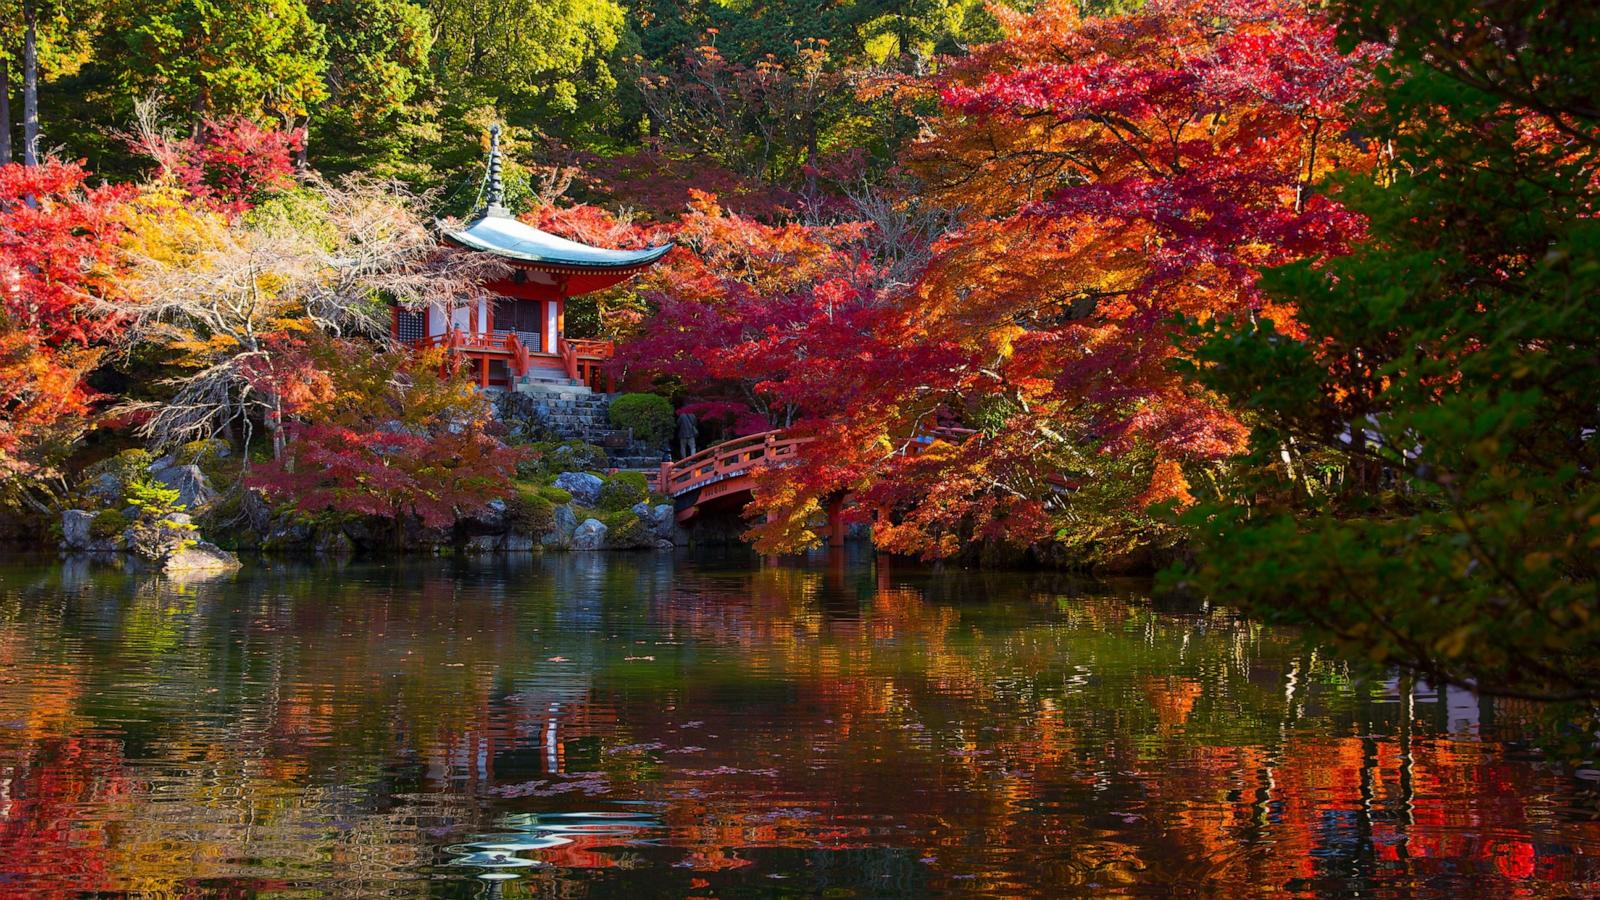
point(394, 323)
point(483, 370)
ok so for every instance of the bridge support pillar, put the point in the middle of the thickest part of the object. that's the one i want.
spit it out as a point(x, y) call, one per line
point(836, 522)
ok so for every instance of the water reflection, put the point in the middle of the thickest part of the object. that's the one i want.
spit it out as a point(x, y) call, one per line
point(642, 725)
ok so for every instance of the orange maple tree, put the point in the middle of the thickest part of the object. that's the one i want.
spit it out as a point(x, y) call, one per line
point(1115, 173)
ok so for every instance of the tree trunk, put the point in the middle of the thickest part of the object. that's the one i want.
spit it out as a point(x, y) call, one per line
point(302, 160)
point(5, 113)
point(30, 84)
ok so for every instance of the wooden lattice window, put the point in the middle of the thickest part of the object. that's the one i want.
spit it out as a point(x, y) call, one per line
point(412, 325)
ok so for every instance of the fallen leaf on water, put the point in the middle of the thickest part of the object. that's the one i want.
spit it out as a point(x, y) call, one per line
point(556, 659)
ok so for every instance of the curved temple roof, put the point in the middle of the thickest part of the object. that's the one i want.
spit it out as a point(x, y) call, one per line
point(495, 230)
point(500, 234)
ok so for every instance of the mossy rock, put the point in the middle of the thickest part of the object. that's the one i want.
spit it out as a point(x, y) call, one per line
point(196, 453)
point(127, 466)
point(528, 511)
point(549, 458)
point(107, 524)
point(216, 460)
point(555, 495)
point(625, 531)
point(622, 491)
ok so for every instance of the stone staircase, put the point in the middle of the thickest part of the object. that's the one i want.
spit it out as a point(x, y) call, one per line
point(569, 411)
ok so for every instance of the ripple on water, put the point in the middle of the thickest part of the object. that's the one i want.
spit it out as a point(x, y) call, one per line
point(534, 832)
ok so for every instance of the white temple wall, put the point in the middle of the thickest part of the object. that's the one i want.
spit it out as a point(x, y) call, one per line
point(440, 322)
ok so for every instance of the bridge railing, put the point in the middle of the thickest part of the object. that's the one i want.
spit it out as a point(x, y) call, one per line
point(738, 456)
point(726, 460)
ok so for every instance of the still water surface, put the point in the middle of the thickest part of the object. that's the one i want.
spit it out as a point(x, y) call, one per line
point(648, 725)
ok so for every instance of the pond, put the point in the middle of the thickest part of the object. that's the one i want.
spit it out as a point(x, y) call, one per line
point(615, 725)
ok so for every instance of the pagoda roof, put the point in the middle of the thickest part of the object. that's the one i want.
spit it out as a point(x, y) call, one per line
point(494, 231)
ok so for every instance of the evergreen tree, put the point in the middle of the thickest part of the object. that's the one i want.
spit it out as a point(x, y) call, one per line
point(1436, 416)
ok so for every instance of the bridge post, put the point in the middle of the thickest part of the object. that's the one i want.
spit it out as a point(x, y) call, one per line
point(836, 521)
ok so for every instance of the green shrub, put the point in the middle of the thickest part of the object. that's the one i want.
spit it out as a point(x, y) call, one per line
point(528, 511)
point(107, 523)
point(624, 530)
point(153, 498)
point(649, 415)
point(622, 491)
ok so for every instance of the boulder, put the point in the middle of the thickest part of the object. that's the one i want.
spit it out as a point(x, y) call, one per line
point(662, 544)
point(284, 535)
point(591, 535)
point(420, 536)
point(483, 543)
point(517, 543)
point(194, 490)
point(566, 522)
point(200, 557)
point(75, 529)
point(493, 515)
point(334, 543)
point(584, 488)
point(664, 521)
point(107, 488)
point(155, 540)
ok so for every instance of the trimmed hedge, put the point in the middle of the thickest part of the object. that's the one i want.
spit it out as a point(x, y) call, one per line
point(649, 415)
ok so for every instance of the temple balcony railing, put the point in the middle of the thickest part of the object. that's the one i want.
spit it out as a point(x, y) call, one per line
point(583, 360)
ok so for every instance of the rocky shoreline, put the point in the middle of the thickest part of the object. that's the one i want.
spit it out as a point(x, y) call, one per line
point(167, 514)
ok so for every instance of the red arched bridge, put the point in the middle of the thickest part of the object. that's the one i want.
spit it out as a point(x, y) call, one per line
point(721, 476)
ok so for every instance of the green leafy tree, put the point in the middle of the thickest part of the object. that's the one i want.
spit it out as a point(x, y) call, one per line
point(377, 55)
point(860, 30)
point(378, 82)
point(263, 59)
point(61, 34)
point(1426, 484)
point(550, 57)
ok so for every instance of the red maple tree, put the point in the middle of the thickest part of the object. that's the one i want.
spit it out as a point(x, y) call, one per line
point(1113, 173)
point(389, 434)
point(58, 242)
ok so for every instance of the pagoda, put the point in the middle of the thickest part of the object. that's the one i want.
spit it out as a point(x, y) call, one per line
point(516, 336)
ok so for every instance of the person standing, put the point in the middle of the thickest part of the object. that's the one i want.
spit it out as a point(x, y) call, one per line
point(688, 435)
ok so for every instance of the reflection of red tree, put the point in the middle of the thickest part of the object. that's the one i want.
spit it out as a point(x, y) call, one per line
point(49, 845)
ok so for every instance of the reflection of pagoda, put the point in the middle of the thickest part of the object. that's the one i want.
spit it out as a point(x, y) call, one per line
point(517, 336)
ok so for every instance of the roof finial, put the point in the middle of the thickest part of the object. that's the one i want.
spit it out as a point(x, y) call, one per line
point(495, 197)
